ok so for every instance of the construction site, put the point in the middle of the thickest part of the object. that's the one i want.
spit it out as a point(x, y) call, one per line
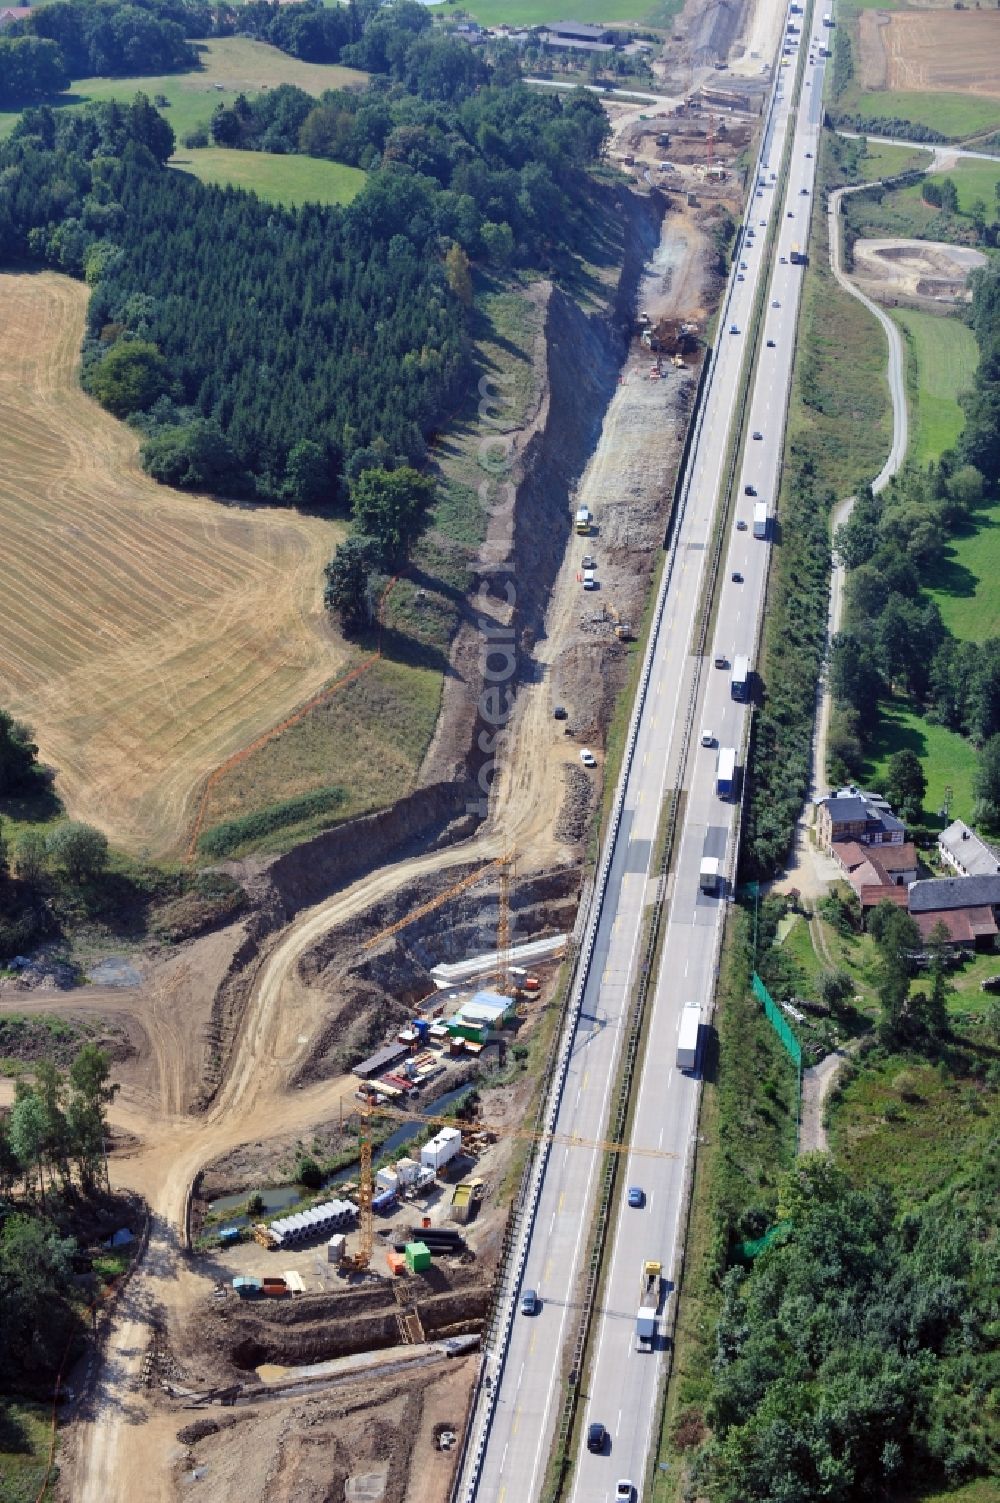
point(382, 1014)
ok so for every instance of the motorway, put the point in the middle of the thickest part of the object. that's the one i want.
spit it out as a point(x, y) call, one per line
point(624, 1384)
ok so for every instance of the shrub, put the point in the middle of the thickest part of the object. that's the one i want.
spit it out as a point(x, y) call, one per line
point(308, 1173)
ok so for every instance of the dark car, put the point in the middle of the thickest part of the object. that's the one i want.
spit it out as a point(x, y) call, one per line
point(737, 577)
point(749, 490)
point(560, 712)
point(770, 344)
point(757, 433)
point(597, 1437)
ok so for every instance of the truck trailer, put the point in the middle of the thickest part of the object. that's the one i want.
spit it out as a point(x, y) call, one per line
point(739, 684)
point(649, 1304)
point(760, 519)
point(710, 874)
point(687, 1038)
point(725, 776)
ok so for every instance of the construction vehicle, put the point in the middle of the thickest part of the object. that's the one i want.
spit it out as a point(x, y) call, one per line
point(649, 1304)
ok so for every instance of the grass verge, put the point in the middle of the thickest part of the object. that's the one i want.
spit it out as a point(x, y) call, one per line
point(371, 737)
point(840, 414)
point(25, 1436)
point(942, 361)
point(881, 161)
point(954, 115)
point(747, 1139)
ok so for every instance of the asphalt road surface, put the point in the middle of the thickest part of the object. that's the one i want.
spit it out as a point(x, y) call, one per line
point(623, 1388)
point(622, 1391)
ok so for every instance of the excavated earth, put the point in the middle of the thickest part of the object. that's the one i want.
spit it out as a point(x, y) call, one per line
point(222, 1015)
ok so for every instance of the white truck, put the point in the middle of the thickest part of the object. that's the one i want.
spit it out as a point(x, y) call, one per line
point(687, 1038)
point(725, 773)
point(760, 519)
point(649, 1305)
point(710, 874)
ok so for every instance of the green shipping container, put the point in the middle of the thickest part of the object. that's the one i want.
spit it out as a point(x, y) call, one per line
point(417, 1256)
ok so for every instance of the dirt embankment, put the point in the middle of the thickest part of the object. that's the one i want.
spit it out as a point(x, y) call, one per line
point(521, 559)
point(577, 364)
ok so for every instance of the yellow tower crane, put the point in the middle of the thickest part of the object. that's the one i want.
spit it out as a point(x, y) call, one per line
point(366, 1182)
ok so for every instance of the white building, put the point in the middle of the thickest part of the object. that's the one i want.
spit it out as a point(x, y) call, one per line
point(962, 850)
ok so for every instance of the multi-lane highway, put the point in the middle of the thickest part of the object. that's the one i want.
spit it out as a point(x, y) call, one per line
point(622, 1391)
point(667, 753)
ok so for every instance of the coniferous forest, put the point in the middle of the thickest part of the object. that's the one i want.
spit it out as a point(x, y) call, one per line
point(276, 352)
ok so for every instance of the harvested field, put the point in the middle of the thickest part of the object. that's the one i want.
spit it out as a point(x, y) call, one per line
point(917, 270)
point(943, 50)
point(151, 634)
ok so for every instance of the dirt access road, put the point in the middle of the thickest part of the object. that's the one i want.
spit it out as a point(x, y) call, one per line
point(123, 1443)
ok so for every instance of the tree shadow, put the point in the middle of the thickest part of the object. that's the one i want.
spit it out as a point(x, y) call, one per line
point(948, 577)
point(35, 804)
point(14, 1436)
point(397, 647)
point(892, 735)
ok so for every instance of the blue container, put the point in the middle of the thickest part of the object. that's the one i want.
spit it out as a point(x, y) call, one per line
point(229, 1235)
point(384, 1200)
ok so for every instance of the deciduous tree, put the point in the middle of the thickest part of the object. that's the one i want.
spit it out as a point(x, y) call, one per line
point(80, 851)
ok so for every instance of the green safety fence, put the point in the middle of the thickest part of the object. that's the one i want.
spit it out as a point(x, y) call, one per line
point(778, 1021)
point(781, 1026)
point(747, 1251)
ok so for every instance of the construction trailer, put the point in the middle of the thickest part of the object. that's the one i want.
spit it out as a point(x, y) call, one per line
point(478, 1018)
point(336, 1248)
point(441, 1149)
